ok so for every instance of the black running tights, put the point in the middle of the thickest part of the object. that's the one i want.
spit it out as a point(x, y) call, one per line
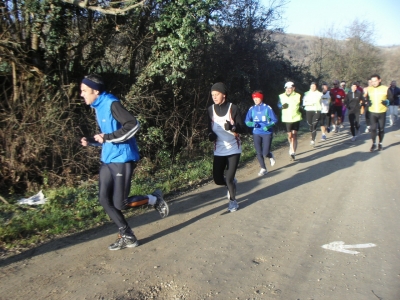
point(114, 188)
point(312, 120)
point(377, 119)
point(354, 119)
point(230, 163)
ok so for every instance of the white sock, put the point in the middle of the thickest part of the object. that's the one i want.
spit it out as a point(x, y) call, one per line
point(152, 199)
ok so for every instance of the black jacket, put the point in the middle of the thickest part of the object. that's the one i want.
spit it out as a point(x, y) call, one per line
point(396, 96)
point(354, 101)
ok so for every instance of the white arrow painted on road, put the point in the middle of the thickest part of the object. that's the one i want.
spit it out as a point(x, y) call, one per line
point(341, 247)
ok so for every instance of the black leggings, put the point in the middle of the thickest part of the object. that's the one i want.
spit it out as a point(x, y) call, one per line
point(367, 117)
point(354, 119)
point(230, 163)
point(380, 119)
point(262, 143)
point(114, 188)
point(312, 120)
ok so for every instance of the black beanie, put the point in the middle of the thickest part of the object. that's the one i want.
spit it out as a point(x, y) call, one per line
point(219, 87)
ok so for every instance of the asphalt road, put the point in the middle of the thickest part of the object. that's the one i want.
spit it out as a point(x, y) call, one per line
point(271, 248)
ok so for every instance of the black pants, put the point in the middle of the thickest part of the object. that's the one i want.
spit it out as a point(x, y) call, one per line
point(367, 117)
point(114, 188)
point(312, 120)
point(262, 143)
point(377, 120)
point(230, 163)
point(354, 119)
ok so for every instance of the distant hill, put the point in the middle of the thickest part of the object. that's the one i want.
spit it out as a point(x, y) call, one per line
point(298, 48)
point(295, 47)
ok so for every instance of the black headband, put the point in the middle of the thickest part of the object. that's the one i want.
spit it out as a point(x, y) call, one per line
point(93, 85)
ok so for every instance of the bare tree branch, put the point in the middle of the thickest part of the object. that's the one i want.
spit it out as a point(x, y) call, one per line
point(4, 200)
point(107, 11)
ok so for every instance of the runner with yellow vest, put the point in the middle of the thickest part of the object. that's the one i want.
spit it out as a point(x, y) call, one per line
point(289, 102)
point(379, 97)
point(312, 105)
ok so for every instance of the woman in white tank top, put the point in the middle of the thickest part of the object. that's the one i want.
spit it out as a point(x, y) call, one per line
point(224, 125)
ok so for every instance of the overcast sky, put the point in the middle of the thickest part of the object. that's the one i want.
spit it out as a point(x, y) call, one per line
point(312, 16)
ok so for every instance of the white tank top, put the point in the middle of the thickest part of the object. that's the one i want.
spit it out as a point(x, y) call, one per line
point(325, 102)
point(227, 142)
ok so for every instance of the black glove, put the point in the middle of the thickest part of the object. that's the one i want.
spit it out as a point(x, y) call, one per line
point(212, 136)
point(257, 125)
point(385, 102)
point(286, 105)
point(229, 126)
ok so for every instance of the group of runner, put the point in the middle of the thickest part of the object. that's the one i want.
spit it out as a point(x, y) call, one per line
point(120, 153)
point(327, 108)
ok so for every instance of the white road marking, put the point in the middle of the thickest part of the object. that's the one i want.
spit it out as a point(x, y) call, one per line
point(341, 247)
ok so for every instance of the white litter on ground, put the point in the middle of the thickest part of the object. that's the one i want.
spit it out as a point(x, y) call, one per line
point(34, 200)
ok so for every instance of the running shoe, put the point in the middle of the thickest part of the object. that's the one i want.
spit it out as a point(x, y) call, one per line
point(323, 137)
point(367, 129)
point(341, 126)
point(228, 195)
point(124, 241)
point(373, 147)
point(293, 157)
point(312, 144)
point(353, 138)
point(380, 147)
point(161, 206)
point(262, 172)
point(233, 206)
point(272, 160)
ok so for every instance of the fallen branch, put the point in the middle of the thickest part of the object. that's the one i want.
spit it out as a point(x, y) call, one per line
point(107, 11)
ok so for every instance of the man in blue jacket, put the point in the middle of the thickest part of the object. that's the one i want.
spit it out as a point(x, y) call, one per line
point(118, 156)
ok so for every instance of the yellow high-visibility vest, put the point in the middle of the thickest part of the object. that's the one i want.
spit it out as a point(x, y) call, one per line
point(376, 95)
point(292, 113)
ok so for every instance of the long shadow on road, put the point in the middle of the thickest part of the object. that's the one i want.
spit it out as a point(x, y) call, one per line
point(314, 172)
